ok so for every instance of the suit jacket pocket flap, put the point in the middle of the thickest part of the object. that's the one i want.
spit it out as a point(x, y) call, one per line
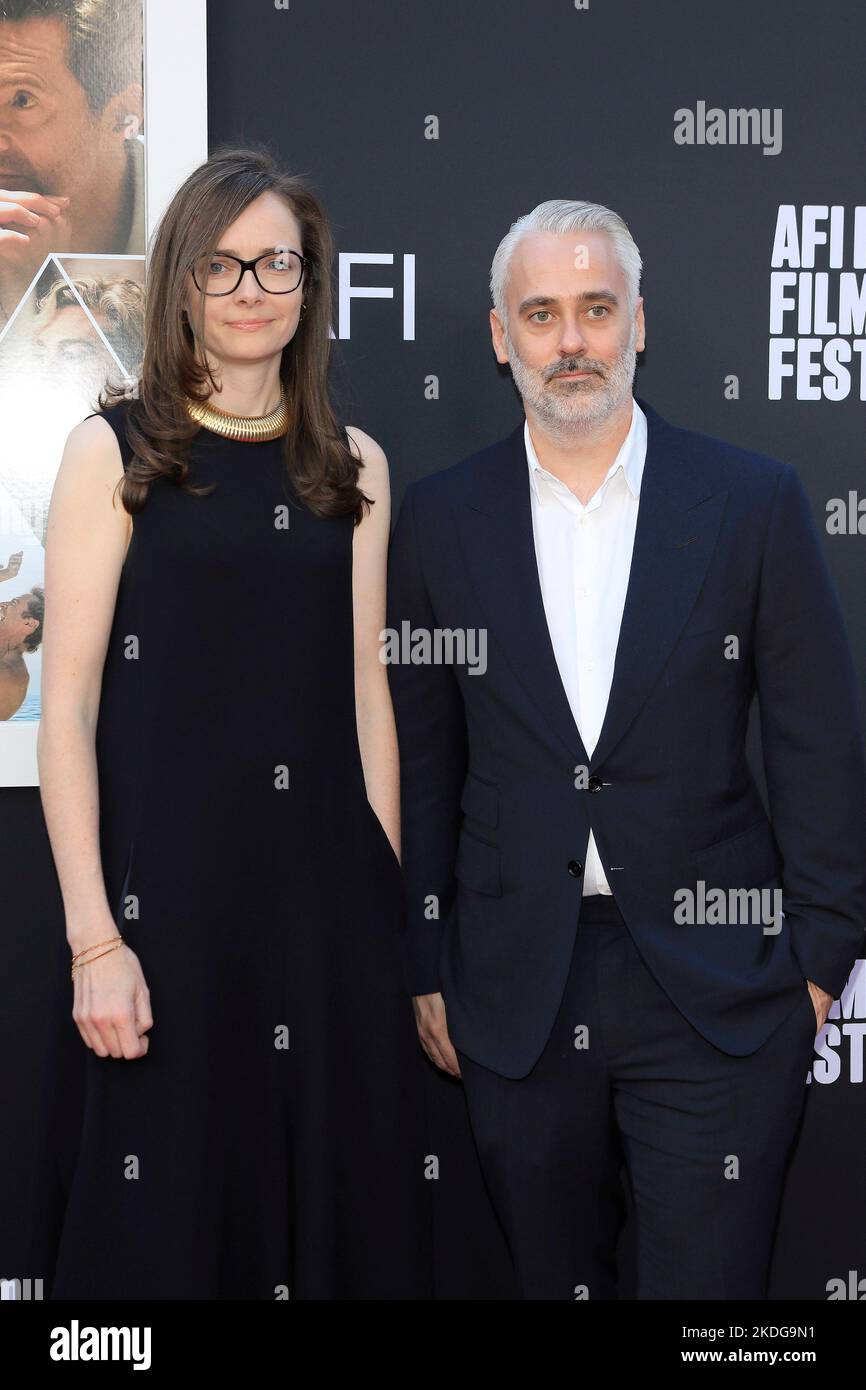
point(478, 865)
point(480, 800)
point(747, 860)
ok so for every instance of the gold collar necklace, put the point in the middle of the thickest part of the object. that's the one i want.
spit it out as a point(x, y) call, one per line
point(249, 428)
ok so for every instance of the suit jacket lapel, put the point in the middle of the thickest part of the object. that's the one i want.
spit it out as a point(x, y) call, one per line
point(496, 532)
point(678, 520)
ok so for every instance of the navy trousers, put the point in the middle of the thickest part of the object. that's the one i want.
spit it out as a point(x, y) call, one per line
point(705, 1137)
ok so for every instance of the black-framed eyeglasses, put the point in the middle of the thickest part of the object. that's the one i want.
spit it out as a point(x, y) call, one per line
point(277, 272)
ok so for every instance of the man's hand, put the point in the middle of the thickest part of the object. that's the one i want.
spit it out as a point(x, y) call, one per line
point(822, 1001)
point(31, 226)
point(9, 571)
point(433, 1032)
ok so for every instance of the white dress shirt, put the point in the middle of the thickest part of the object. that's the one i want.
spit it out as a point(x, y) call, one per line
point(584, 558)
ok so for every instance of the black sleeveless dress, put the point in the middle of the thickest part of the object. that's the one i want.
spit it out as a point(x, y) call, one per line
point(272, 1142)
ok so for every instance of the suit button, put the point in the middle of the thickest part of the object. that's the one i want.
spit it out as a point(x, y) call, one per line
point(594, 784)
point(575, 868)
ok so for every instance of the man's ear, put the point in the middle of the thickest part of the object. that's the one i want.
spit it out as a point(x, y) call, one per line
point(640, 339)
point(497, 333)
point(125, 111)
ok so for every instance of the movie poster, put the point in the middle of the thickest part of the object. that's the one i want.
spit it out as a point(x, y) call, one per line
point(72, 243)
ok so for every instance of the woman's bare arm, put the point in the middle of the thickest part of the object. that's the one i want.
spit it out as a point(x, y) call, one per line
point(85, 545)
point(377, 733)
point(86, 540)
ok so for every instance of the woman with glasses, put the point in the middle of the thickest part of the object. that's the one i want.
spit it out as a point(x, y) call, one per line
point(234, 1108)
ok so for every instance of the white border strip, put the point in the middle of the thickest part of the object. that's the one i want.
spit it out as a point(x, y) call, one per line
point(175, 98)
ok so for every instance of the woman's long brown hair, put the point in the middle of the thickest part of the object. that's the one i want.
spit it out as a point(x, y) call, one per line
point(322, 469)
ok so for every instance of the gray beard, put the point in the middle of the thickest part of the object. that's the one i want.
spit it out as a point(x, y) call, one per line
point(573, 408)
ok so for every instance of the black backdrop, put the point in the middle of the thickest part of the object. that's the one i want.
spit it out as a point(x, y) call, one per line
point(525, 102)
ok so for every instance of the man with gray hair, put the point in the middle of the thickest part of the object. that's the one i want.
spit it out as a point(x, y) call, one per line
point(639, 583)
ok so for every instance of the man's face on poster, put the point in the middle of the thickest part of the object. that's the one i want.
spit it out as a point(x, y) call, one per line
point(65, 346)
point(50, 139)
point(16, 624)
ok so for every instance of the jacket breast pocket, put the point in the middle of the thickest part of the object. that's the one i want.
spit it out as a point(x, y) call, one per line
point(709, 628)
point(478, 865)
point(722, 615)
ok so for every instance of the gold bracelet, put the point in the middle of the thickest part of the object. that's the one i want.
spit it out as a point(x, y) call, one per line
point(94, 944)
point(92, 958)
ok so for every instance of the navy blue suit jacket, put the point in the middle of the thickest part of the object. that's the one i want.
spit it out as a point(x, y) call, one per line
point(496, 813)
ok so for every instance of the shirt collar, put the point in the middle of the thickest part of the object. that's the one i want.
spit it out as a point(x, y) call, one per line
point(631, 457)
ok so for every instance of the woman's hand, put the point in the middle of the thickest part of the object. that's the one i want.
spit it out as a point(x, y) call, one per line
point(111, 1007)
